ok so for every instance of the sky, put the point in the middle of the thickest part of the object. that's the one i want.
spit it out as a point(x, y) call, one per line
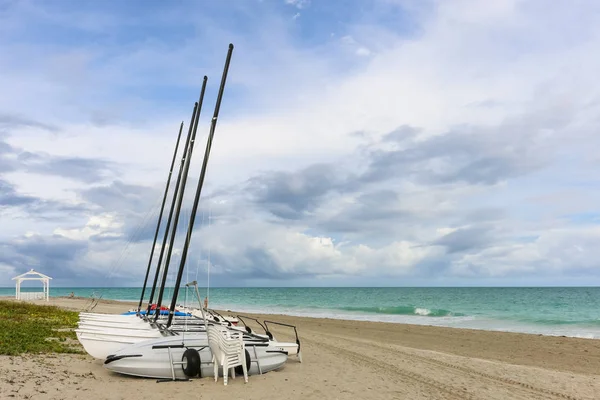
point(359, 143)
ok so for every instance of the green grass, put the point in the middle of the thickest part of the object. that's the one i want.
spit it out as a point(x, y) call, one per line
point(31, 328)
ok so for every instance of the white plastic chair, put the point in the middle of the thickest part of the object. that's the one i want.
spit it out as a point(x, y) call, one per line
point(228, 351)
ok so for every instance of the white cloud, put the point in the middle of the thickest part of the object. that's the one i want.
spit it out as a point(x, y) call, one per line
point(363, 51)
point(298, 3)
point(556, 251)
point(103, 225)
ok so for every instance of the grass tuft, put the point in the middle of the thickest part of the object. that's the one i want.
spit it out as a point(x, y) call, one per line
point(32, 328)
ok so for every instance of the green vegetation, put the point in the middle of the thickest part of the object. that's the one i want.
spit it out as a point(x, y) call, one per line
point(31, 328)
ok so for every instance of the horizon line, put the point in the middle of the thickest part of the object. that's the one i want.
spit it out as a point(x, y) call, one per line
point(330, 287)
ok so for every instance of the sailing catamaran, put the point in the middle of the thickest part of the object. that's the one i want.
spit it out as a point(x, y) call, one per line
point(146, 343)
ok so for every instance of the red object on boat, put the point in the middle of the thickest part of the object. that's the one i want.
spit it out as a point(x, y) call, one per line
point(162, 308)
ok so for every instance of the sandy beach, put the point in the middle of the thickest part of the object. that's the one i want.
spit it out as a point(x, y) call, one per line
point(343, 360)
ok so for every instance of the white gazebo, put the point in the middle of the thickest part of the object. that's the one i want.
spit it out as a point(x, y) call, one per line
point(32, 275)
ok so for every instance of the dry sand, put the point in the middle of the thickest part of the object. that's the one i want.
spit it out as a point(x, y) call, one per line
point(344, 360)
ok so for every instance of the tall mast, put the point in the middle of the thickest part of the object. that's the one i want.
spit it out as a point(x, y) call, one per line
point(162, 207)
point(176, 191)
point(208, 266)
point(200, 183)
point(194, 123)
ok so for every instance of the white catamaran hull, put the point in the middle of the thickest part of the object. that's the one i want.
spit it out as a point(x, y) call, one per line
point(138, 325)
point(150, 359)
point(104, 326)
point(101, 344)
point(124, 319)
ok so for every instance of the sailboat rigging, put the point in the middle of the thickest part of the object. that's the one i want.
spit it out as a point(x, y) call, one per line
point(166, 233)
point(162, 207)
point(187, 161)
point(148, 346)
point(213, 125)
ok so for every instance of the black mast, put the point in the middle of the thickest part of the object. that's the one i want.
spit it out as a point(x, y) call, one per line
point(194, 124)
point(200, 184)
point(162, 207)
point(176, 191)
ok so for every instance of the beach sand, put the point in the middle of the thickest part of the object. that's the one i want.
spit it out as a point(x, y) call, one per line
point(343, 360)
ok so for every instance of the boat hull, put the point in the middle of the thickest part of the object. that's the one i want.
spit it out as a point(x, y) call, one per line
point(101, 344)
point(151, 359)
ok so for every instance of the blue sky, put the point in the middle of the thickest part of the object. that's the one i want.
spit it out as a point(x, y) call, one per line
point(384, 142)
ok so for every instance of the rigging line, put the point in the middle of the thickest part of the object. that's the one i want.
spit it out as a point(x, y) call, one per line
point(132, 239)
point(201, 179)
point(186, 216)
point(171, 278)
point(140, 228)
point(185, 212)
point(186, 304)
point(199, 252)
point(177, 193)
point(208, 258)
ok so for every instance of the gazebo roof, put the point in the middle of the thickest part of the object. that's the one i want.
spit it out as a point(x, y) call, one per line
point(32, 274)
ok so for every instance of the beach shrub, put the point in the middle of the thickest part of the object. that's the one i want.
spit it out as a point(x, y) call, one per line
point(33, 328)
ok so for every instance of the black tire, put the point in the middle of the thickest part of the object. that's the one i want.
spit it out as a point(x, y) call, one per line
point(239, 370)
point(192, 357)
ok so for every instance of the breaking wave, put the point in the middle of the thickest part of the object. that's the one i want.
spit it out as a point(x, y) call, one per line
point(405, 310)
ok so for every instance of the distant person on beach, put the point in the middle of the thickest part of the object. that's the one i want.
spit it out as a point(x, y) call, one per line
point(72, 295)
point(206, 303)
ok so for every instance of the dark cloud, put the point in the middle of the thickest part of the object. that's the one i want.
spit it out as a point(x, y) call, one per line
point(54, 255)
point(290, 195)
point(254, 262)
point(7, 163)
point(11, 121)
point(118, 195)
point(69, 262)
point(403, 133)
point(9, 197)
point(465, 156)
point(467, 239)
point(471, 156)
point(86, 170)
point(489, 103)
point(5, 148)
point(139, 208)
point(481, 215)
point(41, 209)
point(377, 212)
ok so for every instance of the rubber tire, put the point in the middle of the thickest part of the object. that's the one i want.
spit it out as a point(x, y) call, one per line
point(239, 370)
point(193, 363)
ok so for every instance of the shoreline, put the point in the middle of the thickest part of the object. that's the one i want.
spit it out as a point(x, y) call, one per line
point(344, 359)
point(360, 318)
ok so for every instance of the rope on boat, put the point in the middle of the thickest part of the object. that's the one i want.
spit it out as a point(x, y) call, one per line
point(141, 227)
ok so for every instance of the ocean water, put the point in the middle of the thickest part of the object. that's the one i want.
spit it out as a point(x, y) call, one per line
point(568, 311)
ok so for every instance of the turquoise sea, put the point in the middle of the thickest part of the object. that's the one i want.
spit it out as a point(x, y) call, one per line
point(569, 311)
